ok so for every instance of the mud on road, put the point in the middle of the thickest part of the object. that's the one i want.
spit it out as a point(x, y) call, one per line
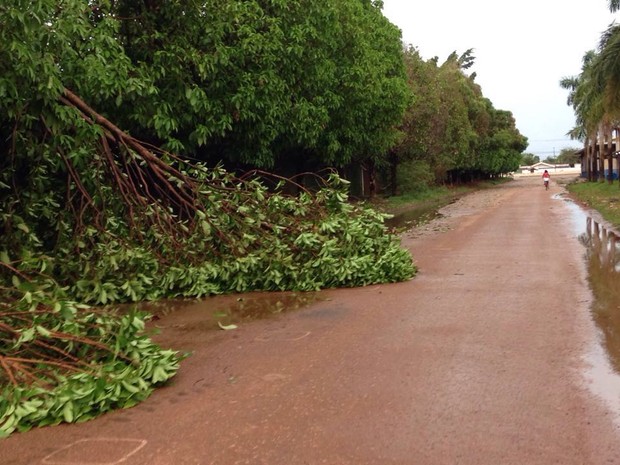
point(482, 358)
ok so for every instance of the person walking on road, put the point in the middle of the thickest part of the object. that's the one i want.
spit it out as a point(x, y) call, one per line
point(546, 177)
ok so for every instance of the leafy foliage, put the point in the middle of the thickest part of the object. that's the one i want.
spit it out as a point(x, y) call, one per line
point(568, 155)
point(251, 82)
point(593, 94)
point(244, 238)
point(131, 223)
point(450, 126)
point(62, 361)
point(91, 214)
point(415, 177)
point(529, 159)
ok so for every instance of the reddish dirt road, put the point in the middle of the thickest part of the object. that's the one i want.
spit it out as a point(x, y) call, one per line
point(477, 360)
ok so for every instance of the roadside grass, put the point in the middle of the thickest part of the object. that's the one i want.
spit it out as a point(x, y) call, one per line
point(433, 196)
point(601, 196)
point(429, 195)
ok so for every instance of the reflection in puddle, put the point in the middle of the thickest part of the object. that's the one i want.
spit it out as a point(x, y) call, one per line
point(414, 217)
point(223, 310)
point(603, 266)
point(603, 262)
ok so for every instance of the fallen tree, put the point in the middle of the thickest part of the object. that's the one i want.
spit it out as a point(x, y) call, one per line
point(115, 220)
point(62, 361)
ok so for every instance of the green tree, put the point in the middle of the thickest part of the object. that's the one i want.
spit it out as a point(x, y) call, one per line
point(85, 200)
point(450, 127)
point(503, 146)
point(459, 141)
point(46, 145)
point(231, 81)
point(593, 114)
point(529, 159)
point(421, 127)
point(594, 98)
point(568, 155)
point(89, 213)
point(486, 141)
point(72, 179)
point(255, 81)
point(370, 80)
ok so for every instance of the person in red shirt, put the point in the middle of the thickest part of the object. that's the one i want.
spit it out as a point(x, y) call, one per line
point(546, 177)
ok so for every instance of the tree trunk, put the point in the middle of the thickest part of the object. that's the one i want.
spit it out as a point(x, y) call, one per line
point(601, 155)
point(586, 159)
point(393, 173)
point(372, 179)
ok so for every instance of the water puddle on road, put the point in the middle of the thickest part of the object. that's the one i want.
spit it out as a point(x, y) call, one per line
point(414, 217)
point(602, 258)
point(603, 262)
point(222, 311)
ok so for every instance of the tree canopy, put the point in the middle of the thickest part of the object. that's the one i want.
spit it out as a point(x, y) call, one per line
point(450, 126)
point(594, 93)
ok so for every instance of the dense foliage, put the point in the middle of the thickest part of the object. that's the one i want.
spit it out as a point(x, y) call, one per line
point(92, 211)
point(251, 82)
point(62, 361)
point(243, 238)
point(450, 127)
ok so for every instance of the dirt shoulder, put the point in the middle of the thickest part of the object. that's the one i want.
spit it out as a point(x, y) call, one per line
point(480, 359)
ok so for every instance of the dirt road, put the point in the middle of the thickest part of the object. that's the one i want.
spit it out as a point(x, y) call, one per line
point(477, 360)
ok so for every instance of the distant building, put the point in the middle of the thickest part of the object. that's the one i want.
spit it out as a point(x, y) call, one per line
point(541, 166)
point(597, 164)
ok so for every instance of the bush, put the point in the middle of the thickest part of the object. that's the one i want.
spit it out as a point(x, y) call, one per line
point(414, 177)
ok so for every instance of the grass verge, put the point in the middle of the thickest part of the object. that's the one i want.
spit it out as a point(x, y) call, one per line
point(438, 195)
point(601, 196)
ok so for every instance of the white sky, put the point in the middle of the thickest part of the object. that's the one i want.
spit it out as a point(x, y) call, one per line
point(521, 49)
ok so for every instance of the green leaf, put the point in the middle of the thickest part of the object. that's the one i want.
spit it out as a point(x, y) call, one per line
point(23, 227)
point(226, 327)
point(67, 412)
point(43, 331)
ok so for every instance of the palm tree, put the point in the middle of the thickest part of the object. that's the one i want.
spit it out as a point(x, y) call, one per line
point(585, 105)
point(606, 68)
point(605, 73)
point(595, 98)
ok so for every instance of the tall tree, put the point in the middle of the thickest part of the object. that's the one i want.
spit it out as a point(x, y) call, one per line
point(254, 81)
point(450, 127)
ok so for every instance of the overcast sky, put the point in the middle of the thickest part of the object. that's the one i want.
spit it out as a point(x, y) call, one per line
point(521, 49)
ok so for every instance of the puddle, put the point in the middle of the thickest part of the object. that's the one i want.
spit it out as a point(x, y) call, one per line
point(603, 382)
point(220, 311)
point(414, 217)
point(602, 258)
point(603, 264)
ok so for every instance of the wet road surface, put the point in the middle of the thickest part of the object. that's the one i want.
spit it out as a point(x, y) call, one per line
point(485, 357)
